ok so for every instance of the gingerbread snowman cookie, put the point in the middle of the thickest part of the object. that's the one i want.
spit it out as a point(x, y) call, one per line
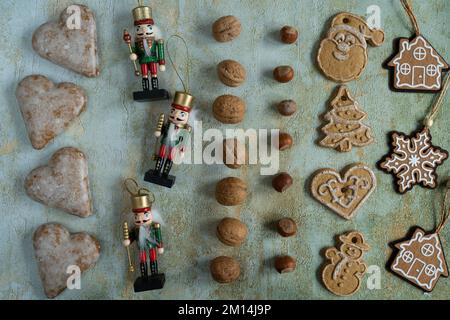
point(345, 268)
point(342, 55)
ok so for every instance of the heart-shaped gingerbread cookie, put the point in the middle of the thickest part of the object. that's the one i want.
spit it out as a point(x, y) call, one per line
point(58, 253)
point(71, 42)
point(345, 193)
point(48, 109)
point(63, 183)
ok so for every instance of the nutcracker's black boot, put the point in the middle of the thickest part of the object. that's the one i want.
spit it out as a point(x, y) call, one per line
point(153, 94)
point(161, 176)
point(155, 83)
point(144, 270)
point(154, 268)
point(167, 168)
point(145, 84)
point(153, 282)
point(159, 166)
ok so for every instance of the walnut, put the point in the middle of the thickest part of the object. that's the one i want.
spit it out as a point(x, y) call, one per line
point(232, 232)
point(231, 191)
point(229, 109)
point(225, 269)
point(231, 73)
point(226, 29)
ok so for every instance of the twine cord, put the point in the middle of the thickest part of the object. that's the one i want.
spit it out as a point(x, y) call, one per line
point(187, 82)
point(445, 211)
point(409, 10)
point(437, 103)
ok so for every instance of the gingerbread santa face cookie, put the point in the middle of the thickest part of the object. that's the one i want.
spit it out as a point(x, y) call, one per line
point(345, 268)
point(414, 160)
point(342, 55)
point(420, 260)
point(344, 193)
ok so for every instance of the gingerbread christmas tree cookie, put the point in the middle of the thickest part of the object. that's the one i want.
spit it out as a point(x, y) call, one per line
point(413, 160)
point(345, 268)
point(345, 127)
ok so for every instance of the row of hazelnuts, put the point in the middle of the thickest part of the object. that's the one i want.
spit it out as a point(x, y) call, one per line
point(233, 232)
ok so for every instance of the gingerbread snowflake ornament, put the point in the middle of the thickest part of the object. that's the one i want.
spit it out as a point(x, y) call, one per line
point(414, 160)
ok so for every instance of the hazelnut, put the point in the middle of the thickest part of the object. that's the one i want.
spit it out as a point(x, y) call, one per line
point(285, 141)
point(283, 74)
point(287, 227)
point(285, 264)
point(231, 192)
point(289, 34)
point(226, 29)
point(287, 107)
point(282, 182)
point(229, 109)
point(231, 73)
point(234, 153)
point(232, 232)
point(225, 269)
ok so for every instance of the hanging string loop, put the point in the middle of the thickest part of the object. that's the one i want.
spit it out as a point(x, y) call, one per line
point(429, 119)
point(134, 190)
point(409, 10)
point(184, 82)
point(445, 211)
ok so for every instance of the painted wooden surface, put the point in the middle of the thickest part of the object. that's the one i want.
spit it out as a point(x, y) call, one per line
point(115, 134)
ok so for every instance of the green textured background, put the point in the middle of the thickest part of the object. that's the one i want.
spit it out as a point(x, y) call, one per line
point(116, 135)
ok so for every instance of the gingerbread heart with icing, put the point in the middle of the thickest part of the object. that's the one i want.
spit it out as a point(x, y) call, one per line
point(344, 193)
point(48, 109)
point(58, 252)
point(63, 183)
point(70, 42)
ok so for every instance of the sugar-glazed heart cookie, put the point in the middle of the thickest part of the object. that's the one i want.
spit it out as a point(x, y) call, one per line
point(48, 109)
point(71, 42)
point(63, 183)
point(345, 193)
point(57, 252)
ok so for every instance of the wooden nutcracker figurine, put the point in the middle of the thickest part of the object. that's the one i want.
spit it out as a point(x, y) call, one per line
point(173, 134)
point(149, 52)
point(147, 235)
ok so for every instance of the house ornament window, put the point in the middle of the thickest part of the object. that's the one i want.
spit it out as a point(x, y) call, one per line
point(420, 53)
point(408, 256)
point(430, 270)
point(427, 250)
point(405, 69)
point(432, 70)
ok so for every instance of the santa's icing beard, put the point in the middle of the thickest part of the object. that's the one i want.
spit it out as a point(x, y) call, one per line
point(343, 54)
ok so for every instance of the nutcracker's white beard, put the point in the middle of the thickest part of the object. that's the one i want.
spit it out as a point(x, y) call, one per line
point(157, 216)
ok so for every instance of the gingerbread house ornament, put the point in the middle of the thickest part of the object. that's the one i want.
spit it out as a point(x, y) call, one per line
point(421, 260)
point(417, 66)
